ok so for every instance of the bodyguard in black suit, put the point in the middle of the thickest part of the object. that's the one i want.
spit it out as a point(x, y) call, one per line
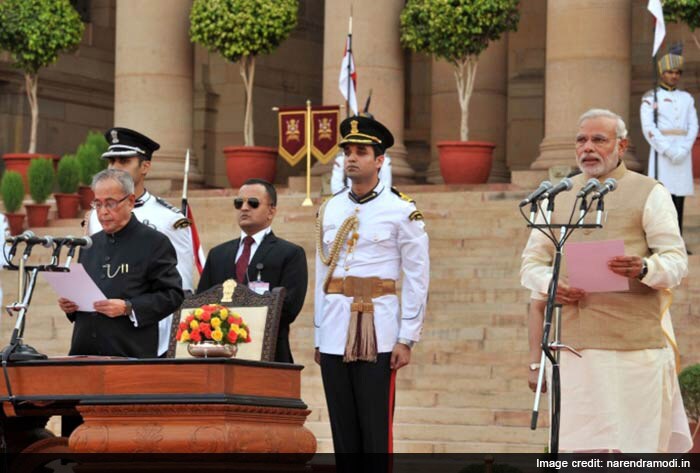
point(135, 267)
point(261, 257)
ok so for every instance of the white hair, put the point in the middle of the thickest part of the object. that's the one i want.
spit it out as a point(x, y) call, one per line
point(620, 127)
point(123, 178)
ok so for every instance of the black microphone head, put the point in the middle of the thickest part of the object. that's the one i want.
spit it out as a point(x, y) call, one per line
point(567, 182)
point(88, 242)
point(47, 241)
point(27, 234)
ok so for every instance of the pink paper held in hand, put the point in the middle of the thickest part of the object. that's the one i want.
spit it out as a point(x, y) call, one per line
point(587, 265)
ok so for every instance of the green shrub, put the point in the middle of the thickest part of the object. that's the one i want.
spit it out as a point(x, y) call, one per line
point(89, 157)
point(41, 176)
point(689, 381)
point(68, 175)
point(12, 190)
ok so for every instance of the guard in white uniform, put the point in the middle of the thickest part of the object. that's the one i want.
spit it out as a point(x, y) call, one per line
point(672, 138)
point(369, 237)
point(132, 152)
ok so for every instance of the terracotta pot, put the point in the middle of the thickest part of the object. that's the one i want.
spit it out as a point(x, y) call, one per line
point(695, 152)
point(37, 215)
point(86, 196)
point(20, 162)
point(696, 439)
point(209, 349)
point(246, 162)
point(67, 205)
point(465, 162)
point(16, 222)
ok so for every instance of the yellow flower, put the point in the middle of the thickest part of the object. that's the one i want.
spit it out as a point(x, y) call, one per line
point(215, 322)
point(198, 314)
point(243, 334)
point(217, 335)
point(223, 313)
point(185, 336)
point(234, 327)
point(194, 325)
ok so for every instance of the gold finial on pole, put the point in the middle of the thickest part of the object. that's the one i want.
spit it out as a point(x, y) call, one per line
point(307, 202)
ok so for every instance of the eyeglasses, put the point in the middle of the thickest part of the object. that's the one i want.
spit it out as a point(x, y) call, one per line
point(598, 141)
point(109, 204)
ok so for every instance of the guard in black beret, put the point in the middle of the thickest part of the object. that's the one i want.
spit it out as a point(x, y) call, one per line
point(124, 142)
point(365, 130)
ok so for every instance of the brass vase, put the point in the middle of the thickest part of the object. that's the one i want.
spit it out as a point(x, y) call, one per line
point(209, 349)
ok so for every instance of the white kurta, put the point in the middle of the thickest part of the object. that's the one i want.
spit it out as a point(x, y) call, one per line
point(612, 400)
point(390, 246)
point(162, 218)
point(676, 115)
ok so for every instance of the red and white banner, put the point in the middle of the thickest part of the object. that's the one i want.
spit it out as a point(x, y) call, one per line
point(325, 132)
point(292, 134)
point(654, 7)
point(348, 77)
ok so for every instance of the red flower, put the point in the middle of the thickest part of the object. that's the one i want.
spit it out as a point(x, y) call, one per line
point(205, 329)
point(184, 325)
point(206, 316)
point(248, 339)
point(189, 319)
point(236, 321)
point(232, 336)
point(179, 333)
point(196, 335)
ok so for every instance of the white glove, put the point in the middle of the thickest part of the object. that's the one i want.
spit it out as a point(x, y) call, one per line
point(676, 155)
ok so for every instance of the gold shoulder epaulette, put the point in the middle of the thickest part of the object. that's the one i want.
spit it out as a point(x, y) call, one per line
point(402, 195)
point(182, 223)
point(416, 215)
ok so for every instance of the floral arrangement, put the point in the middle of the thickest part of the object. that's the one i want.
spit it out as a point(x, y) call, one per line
point(215, 323)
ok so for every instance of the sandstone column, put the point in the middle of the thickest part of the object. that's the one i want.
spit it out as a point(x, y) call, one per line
point(487, 108)
point(154, 83)
point(379, 62)
point(588, 65)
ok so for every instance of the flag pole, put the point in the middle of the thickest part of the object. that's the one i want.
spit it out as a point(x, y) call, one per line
point(656, 111)
point(307, 202)
point(185, 182)
point(349, 66)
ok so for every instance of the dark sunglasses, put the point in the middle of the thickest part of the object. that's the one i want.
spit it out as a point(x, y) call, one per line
point(252, 201)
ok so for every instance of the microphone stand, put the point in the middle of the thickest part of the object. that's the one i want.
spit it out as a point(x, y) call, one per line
point(551, 349)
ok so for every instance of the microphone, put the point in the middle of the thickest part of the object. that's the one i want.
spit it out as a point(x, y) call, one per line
point(536, 194)
point(45, 241)
point(564, 185)
point(72, 241)
point(609, 186)
point(24, 236)
point(591, 185)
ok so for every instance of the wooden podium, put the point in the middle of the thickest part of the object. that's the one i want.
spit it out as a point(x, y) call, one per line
point(164, 405)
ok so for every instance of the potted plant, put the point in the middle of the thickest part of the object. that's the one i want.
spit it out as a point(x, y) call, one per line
point(41, 176)
point(35, 32)
point(212, 331)
point(90, 163)
point(689, 381)
point(458, 31)
point(240, 30)
point(68, 177)
point(688, 12)
point(12, 190)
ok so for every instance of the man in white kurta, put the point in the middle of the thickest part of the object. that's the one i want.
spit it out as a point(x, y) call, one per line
point(622, 394)
point(671, 138)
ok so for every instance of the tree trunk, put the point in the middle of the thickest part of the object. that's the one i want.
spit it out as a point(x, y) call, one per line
point(248, 75)
point(465, 74)
point(31, 82)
